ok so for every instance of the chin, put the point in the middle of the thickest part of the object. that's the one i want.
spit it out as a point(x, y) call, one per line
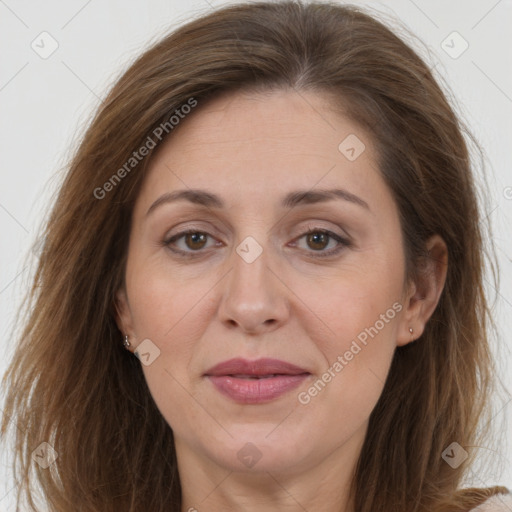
point(258, 449)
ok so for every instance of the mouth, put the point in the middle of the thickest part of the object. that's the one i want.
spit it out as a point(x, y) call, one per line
point(255, 382)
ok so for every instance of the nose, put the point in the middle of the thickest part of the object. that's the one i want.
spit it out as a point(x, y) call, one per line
point(254, 298)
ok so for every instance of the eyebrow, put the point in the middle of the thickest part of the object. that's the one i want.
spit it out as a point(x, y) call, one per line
point(292, 199)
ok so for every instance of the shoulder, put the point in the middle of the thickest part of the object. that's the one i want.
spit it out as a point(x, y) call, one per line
point(496, 503)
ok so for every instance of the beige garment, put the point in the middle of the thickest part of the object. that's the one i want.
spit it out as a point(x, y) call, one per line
point(496, 503)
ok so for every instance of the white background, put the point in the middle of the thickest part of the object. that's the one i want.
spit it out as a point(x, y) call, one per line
point(45, 104)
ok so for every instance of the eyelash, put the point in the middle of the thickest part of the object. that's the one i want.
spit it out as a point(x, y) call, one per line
point(342, 243)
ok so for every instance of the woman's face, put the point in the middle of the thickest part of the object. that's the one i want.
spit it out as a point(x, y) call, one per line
point(254, 173)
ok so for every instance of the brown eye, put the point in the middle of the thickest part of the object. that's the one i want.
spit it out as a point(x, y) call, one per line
point(195, 240)
point(318, 240)
point(187, 242)
point(191, 243)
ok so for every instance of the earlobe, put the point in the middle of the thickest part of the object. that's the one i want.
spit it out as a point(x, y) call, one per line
point(409, 328)
point(122, 313)
point(425, 293)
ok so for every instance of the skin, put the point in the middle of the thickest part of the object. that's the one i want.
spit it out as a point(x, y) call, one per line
point(252, 149)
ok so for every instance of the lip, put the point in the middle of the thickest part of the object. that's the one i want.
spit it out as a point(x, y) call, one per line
point(254, 382)
point(259, 367)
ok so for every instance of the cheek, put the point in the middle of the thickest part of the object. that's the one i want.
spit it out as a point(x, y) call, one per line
point(362, 337)
point(352, 303)
point(172, 315)
point(357, 333)
point(357, 352)
point(164, 304)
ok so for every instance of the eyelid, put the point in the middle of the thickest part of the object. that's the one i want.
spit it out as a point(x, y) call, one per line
point(193, 228)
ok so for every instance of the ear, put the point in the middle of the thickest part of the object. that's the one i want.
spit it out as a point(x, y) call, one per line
point(423, 295)
point(123, 315)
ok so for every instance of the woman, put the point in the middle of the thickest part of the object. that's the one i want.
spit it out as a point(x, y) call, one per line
point(274, 211)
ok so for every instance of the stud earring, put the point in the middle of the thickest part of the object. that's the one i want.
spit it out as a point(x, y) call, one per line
point(126, 343)
point(411, 331)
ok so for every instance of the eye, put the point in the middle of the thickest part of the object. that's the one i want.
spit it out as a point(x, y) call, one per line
point(319, 239)
point(193, 240)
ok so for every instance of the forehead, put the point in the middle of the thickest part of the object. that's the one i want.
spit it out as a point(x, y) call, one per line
point(275, 120)
point(261, 144)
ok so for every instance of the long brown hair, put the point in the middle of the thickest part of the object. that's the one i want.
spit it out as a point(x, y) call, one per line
point(72, 384)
